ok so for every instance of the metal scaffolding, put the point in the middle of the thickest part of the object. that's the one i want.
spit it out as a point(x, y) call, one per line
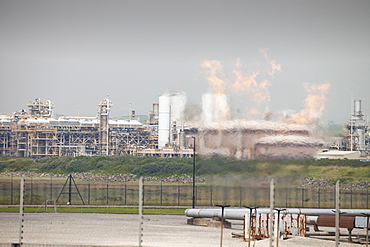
point(37, 134)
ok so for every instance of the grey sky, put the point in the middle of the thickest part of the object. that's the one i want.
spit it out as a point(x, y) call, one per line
point(76, 52)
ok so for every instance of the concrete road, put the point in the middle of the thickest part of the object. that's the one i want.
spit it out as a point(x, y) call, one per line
point(60, 229)
point(111, 230)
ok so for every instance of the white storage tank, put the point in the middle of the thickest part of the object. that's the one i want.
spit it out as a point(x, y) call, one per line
point(164, 120)
point(171, 116)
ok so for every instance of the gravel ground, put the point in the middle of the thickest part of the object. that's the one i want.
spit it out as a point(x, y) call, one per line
point(42, 229)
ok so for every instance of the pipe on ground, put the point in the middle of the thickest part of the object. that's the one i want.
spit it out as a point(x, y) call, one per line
point(239, 213)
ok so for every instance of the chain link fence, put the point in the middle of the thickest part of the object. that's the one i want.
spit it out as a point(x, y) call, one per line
point(87, 192)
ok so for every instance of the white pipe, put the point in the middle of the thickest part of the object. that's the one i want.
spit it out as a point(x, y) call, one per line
point(239, 213)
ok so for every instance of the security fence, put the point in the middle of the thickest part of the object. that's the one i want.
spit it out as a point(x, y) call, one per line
point(119, 193)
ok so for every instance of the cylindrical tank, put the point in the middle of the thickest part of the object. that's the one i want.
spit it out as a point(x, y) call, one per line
point(164, 120)
point(182, 139)
point(357, 107)
point(361, 138)
point(155, 109)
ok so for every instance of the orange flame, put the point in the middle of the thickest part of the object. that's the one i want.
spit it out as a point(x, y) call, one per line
point(214, 67)
point(275, 67)
point(258, 92)
point(314, 104)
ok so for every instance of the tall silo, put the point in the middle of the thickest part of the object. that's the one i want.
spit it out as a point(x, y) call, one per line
point(171, 117)
point(164, 120)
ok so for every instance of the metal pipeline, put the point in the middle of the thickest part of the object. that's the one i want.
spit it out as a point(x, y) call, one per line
point(239, 213)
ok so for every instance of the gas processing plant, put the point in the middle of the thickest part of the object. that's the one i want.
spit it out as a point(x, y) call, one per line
point(172, 130)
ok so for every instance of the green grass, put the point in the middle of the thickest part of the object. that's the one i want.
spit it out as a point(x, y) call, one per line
point(346, 170)
point(109, 210)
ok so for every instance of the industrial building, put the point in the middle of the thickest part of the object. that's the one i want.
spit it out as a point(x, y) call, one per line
point(358, 137)
point(38, 133)
point(356, 141)
point(215, 132)
point(255, 139)
point(168, 132)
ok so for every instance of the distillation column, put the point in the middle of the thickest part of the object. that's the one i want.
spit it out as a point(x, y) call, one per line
point(103, 113)
point(357, 129)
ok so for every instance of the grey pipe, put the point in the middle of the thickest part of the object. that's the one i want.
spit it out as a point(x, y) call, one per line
point(239, 213)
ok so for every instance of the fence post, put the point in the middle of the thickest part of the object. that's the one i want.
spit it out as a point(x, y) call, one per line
point(125, 191)
point(88, 193)
point(178, 193)
point(107, 195)
point(337, 213)
point(318, 196)
point(211, 196)
point(11, 191)
point(143, 190)
point(31, 192)
point(196, 195)
point(51, 187)
point(240, 196)
point(334, 197)
point(302, 197)
point(160, 199)
point(351, 196)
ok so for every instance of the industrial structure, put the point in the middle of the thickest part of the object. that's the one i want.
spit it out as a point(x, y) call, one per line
point(255, 139)
point(263, 223)
point(358, 137)
point(356, 141)
point(38, 133)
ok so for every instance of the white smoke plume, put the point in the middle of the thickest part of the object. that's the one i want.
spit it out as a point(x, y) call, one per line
point(213, 68)
point(255, 92)
point(249, 88)
point(215, 105)
point(275, 67)
point(247, 132)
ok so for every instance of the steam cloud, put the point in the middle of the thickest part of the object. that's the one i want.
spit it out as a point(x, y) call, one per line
point(214, 67)
point(251, 88)
point(248, 132)
point(314, 104)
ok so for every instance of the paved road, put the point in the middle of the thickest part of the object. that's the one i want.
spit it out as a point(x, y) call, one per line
point(111, 230)
point(58, 229)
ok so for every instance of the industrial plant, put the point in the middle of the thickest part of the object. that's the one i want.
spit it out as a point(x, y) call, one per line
point(356, 141)
point(170, 131)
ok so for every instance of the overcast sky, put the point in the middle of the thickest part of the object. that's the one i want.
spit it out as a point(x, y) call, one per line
point(75, 53)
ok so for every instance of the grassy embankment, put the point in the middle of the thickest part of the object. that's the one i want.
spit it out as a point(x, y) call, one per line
point(347, 171)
